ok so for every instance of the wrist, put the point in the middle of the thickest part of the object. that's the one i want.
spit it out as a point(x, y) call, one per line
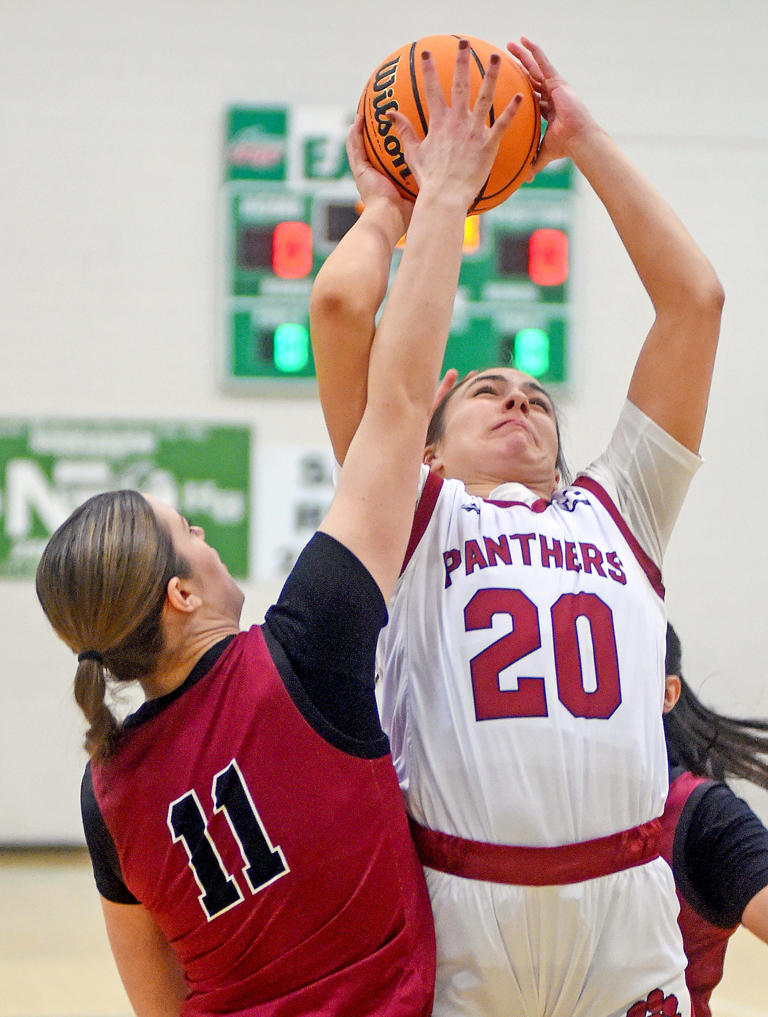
point(441, 197)
point(384, 215)
point(585, 141)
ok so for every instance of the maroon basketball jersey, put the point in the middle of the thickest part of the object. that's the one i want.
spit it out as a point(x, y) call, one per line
point(278, 866)
point(704, 943)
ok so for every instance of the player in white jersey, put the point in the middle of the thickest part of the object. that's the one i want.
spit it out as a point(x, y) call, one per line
point(522, 667)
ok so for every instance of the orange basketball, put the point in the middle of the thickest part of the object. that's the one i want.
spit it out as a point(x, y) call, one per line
point(397, 83)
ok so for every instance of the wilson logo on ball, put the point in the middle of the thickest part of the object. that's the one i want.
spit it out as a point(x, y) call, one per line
point(383, 88)
point(397, 84)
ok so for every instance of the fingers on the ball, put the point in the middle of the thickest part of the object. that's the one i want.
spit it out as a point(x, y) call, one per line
point(433, 91)
point(460, 86)
point(527, 60)
point(539, 56)
point(355, 148)
point(488, 86)
point(403, 128)
point(505, 118)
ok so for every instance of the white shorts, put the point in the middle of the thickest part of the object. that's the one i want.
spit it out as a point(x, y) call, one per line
point(607, 947)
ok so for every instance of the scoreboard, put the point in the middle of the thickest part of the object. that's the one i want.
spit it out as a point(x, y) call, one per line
point(289, 198)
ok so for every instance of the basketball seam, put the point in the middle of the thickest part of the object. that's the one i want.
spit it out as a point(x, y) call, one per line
point(526, 161)
point(415, 88)
point(481, 195)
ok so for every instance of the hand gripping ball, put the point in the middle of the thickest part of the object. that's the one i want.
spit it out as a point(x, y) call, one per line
point(397, 83)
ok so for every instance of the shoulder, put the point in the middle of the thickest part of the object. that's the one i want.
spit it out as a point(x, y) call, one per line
point(640, 440)
point(720, 853)
point(646, 472)
point(324, 570)
point(322, 635)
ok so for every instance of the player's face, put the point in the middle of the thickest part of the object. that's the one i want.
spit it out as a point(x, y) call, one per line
point(499, 426)
point(210, 576)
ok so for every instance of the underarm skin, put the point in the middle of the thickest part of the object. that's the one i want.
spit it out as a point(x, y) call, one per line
point(150, 973)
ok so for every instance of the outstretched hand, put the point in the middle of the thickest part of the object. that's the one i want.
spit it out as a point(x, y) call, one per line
point(565, 113)
point(458, 151)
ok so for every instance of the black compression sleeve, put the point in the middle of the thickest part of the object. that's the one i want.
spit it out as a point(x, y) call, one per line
point(327, 621)
point(724, 857)
point(101, 847)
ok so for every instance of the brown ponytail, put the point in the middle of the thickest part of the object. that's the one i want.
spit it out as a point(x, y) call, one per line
point(101, 582)
point(90, 691)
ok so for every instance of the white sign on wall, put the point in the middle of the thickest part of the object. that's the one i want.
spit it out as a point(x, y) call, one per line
point(294, 488)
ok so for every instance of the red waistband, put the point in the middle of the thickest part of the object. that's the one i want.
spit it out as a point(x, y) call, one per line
point(537, 866)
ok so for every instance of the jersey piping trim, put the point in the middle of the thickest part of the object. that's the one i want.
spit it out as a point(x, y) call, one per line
point(538, 506)
point(423, 514)
point(152, 707)
point(537, 866)
point(646, 563)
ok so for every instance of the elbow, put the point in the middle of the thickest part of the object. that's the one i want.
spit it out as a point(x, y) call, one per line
point(715, 295)
point(339, 313)
point(340, 305)
point(702, 300)
point(711, 303)
point(327, 301)
point(709, 295)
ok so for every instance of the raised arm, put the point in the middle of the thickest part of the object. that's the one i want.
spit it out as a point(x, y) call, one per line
point(373, 508)
point(347, 293)
point(673, 373)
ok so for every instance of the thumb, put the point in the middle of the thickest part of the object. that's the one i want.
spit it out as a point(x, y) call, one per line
point(404, 130)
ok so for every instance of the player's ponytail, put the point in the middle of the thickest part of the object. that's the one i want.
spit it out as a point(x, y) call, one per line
point(90, 695)
point(101, 582)
point(710, 744)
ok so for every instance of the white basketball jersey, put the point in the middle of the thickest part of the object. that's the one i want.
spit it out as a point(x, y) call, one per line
point(522, 669)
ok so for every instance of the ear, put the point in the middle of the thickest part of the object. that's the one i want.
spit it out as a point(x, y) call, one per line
point(180, 597)
point(672, 688)
point(432, 459)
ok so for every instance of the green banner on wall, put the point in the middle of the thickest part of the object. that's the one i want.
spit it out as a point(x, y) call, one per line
point(49, 467)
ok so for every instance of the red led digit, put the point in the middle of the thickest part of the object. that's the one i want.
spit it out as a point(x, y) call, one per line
point(292, 250)
point(548, 257)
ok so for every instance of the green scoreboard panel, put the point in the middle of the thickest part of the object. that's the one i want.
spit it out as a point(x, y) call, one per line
point(289, 198)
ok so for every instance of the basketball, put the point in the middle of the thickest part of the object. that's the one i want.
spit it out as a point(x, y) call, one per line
point(397, 84)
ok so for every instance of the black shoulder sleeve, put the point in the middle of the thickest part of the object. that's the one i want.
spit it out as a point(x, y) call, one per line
point(327, 620)
point(106, 866)
point(720, 854)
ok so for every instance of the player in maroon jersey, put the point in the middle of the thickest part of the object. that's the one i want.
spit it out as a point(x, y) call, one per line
point(716, 845)
point(246, 827)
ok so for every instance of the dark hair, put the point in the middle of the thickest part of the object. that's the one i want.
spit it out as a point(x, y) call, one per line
point(101, 582)
point(708, 743)
point(436, 428)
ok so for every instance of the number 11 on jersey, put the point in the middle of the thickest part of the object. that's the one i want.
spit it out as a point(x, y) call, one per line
point(187, 823)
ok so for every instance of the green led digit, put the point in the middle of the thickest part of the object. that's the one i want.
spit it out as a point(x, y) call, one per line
point(531, 351)
point(291, 348)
